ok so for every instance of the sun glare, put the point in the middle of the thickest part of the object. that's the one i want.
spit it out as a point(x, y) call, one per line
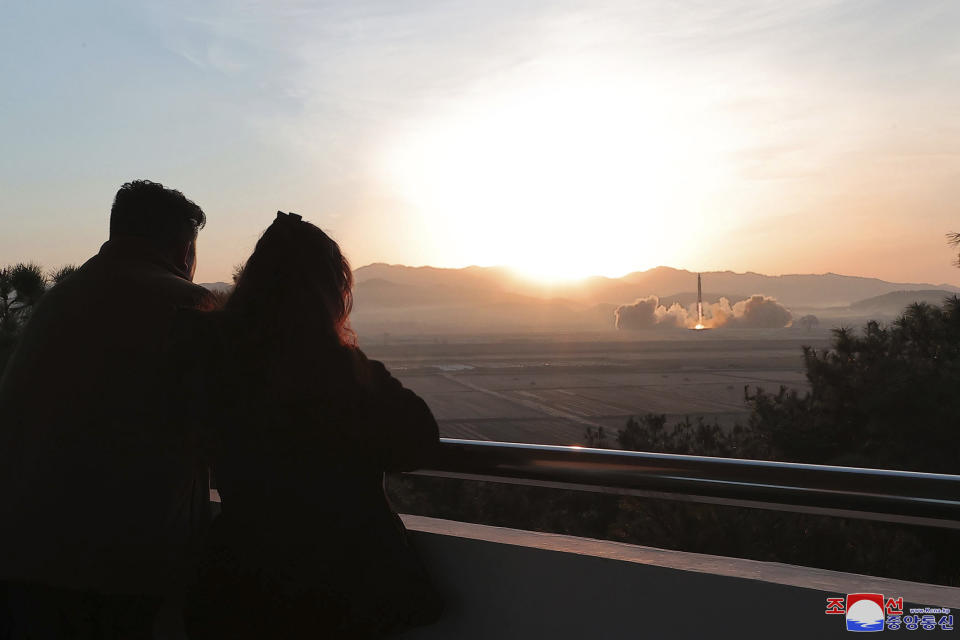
point(558, 182)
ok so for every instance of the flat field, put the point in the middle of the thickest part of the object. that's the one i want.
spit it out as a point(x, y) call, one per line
point(550, 389)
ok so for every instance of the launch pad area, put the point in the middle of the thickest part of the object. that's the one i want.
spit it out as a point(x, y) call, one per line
point(550, 391)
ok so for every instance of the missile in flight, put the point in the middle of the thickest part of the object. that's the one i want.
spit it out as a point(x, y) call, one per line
point(699, 301)
point(699, 326)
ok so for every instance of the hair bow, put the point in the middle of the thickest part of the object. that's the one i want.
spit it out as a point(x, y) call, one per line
point(292, 217)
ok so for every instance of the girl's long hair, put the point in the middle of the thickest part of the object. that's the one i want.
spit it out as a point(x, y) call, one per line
point(296, 287)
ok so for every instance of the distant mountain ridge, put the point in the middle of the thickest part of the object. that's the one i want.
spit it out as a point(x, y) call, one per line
point(802, 290)
point(398, 299)
point(895, 301)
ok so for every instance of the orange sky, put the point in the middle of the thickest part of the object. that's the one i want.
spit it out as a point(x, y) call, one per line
point(562, 139)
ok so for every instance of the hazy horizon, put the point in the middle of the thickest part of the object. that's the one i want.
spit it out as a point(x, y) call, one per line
point(560, 139)
point(521, 275)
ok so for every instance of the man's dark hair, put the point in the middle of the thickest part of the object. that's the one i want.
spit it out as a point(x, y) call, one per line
point(149, 210)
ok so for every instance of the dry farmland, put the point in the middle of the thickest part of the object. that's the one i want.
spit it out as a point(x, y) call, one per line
point(550, 390)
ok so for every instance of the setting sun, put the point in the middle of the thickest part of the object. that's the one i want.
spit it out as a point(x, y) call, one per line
point(581, 177)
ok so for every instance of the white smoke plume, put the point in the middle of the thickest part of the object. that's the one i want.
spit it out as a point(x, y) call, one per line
point(761, 312)
point(642, 314)
point(757, 311)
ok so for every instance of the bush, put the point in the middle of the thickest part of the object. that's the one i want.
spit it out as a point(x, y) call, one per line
point(886, 397)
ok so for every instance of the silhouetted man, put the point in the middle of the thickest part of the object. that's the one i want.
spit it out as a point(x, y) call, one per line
point(103, 490)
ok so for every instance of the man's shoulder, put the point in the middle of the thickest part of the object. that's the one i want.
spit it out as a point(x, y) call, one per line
point(190, 290)
point(165, 285)
point(138, 277)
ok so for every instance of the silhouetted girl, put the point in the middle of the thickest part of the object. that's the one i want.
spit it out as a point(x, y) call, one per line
point(303, 427)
